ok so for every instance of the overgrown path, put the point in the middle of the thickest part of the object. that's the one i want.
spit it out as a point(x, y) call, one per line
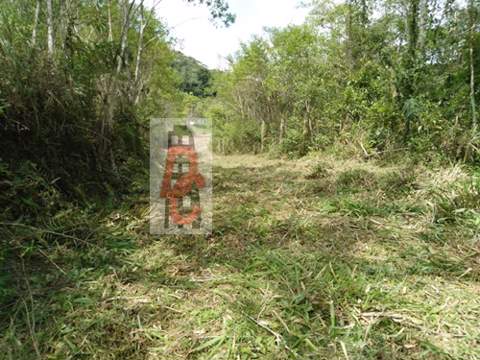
point(320, 258)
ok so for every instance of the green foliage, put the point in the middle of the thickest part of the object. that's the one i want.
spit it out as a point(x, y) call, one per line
point(78, 86)
point(312, 258)
point(62, 111)
point(284, 274)
point(26, 194)
point(195, 77)
point(406, 84)
point(290, 143)
point(235, 136)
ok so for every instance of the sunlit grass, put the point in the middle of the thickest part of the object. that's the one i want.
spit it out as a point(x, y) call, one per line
point(317, 258)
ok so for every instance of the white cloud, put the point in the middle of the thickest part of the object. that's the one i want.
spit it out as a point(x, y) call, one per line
point(199, 38)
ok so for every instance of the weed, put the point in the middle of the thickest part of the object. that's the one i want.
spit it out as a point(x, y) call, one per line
point(354, 180)
point(359, 270)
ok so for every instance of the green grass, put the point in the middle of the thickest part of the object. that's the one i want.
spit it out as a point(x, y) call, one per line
point(308, 259)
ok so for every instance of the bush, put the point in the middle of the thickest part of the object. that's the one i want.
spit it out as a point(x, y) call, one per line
point(25, 193)
point(235, 136)
point(291, 144)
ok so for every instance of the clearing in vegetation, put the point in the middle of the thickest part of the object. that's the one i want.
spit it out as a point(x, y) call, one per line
point(318, 258)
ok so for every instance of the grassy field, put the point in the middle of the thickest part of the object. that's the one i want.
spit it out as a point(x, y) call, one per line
point(318, 258)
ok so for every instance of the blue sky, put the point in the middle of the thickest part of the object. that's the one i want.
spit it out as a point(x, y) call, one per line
point(199, 38)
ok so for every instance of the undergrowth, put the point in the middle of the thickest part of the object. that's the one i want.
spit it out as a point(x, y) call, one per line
point(319, 258)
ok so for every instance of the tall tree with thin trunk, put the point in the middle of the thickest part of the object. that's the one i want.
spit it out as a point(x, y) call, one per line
point(140, 43)
point(127, 7)
point(411, 59)
point(49, 27)
point(35, 23)
point(471, 11)
point(109, 10)
point(349, 43)
point(137, 77)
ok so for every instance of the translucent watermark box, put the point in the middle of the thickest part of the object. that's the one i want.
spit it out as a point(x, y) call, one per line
point(180, 176)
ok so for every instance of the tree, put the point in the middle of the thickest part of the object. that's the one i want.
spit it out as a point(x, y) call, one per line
point(472, 30)
point(50, 27)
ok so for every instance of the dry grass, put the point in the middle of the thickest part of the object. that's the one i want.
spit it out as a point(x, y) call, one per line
point(319, 258)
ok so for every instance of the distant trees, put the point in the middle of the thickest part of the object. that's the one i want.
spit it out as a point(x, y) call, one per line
point(380, 75)
point(195, 78)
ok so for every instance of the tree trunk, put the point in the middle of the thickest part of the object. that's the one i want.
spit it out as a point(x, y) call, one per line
point(138, 84)
point(49, 27)
point(110, 31)
point(472, 64)
point(35, 23)
point(412, 26)
point(413, 30)
point(307, 134)
point(423, 23)
point(349, 33)
point(263, 134)
point(112, 87)
point(283, 128)
point(127, 8)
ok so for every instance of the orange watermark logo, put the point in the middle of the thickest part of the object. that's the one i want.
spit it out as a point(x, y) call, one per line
point(180, 183)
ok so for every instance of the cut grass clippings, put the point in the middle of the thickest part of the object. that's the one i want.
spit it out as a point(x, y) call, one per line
point(320, 258)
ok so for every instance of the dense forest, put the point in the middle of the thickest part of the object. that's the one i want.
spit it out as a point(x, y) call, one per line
point(391, 75)
point(347, 195)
